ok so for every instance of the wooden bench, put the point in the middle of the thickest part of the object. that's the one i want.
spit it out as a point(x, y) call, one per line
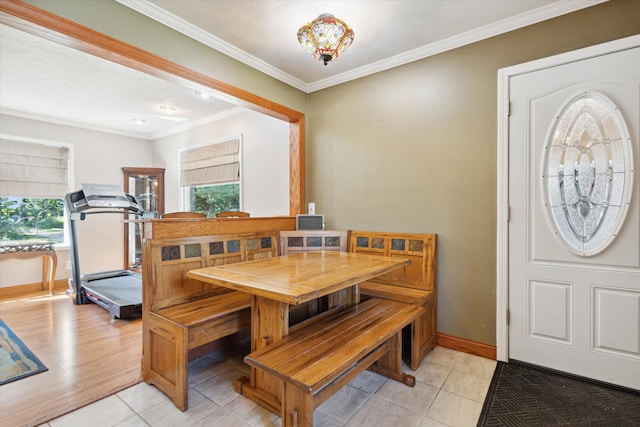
point(415, 284)
point(314, 362)
point(182, 317)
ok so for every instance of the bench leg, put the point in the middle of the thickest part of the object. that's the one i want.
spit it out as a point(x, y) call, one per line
point(297, 408)
point(423, 333)
point(390, 365)
point(165, 363)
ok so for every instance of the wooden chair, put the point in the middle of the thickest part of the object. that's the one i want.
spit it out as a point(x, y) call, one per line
point(184, 215)
point(232, 214)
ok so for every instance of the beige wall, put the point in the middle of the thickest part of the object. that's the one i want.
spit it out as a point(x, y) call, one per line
point(414, 149)
point(265, 160)
point(409, 149)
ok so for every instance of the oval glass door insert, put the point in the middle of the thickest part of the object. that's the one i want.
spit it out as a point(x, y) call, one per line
point(589, 173)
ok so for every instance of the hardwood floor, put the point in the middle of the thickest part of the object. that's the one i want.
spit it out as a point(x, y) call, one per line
point(89, 356)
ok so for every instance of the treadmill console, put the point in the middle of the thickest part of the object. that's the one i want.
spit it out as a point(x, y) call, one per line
point(101, 196)
point(105, 196)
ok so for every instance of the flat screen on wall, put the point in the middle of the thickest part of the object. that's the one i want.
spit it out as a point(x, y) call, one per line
point(309, 222)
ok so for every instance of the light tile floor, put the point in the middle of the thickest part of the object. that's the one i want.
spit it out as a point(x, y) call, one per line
point(450, 390)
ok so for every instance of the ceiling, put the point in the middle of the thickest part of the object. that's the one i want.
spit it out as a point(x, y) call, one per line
point(43, 80)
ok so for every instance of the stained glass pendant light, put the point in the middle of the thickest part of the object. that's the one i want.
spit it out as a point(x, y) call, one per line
point(326, 37)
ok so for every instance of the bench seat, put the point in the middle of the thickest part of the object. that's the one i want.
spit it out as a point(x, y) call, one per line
point(316, 361)
point(176, 331)
point(205, 318)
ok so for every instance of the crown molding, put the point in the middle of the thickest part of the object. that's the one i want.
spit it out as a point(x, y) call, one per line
point(200, 122)
point(501, 27)
point(535, 16)
point(71, 123)
point(170, 20)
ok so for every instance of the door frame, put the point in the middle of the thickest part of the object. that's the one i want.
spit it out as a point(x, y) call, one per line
point(502, 244)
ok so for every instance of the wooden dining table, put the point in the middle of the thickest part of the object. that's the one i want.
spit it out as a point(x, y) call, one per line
point(278, 283)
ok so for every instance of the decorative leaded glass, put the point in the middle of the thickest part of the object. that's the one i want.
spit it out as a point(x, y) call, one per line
point(362, 242)
point(233, 246)
point(332, 241)
point(295, 242)
point(588, 173)
point(253, 244)
point(398, 244)
point(192, 251)
point(416, 245)
point(314, 241)
point(216, 248)
point(170, 253)
point(377, 242)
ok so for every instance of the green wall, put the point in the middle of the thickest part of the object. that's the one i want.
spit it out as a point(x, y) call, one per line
point(411, 149)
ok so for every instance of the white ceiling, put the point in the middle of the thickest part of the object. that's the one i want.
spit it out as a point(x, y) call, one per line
point(41, 79)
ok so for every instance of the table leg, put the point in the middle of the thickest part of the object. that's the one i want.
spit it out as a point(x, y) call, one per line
point(51, 270)
point(269, 324)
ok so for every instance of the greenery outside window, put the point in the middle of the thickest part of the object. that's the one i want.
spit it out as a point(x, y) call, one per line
point(210, 177)
point(24, 220)
point(34, 178)
point(210, 199)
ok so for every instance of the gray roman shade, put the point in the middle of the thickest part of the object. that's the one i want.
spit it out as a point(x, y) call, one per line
point(33, 170)
point(210, 164)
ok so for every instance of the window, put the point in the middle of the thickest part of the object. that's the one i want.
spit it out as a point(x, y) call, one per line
point(589, 173)
point(34, 177)
point(210, 177)
point(26, 220)
point(210, 199)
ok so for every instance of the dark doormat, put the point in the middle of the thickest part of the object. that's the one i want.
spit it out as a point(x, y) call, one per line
point(524, 395)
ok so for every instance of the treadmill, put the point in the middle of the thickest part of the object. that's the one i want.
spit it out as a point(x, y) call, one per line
point(117, 291)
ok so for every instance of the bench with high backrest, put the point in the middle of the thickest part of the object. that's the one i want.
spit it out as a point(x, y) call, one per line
point(182, 318)
point(414, 284)
point(292, 242)
point(315, 361)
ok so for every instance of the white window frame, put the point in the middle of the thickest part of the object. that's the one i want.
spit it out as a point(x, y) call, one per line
point(183, 195)
point(71, 171)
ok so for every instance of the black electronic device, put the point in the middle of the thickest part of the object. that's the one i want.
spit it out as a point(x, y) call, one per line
point(309, 222)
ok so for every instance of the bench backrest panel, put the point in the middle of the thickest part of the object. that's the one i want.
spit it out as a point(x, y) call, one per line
point(168, 260)
point(292, 242)
point(419, 248)
point(313, 240)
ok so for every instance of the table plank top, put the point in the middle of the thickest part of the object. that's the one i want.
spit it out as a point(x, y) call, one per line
point(301, 277)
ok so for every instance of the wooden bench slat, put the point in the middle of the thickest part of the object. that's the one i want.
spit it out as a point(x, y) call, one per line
point(205, 309)
point(314, 356)
point(394, 292)
point(336, 325)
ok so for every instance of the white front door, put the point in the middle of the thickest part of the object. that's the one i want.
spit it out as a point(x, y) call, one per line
point(574, 217)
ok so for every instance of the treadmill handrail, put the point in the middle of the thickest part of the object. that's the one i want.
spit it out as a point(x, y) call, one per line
point(78, 207)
